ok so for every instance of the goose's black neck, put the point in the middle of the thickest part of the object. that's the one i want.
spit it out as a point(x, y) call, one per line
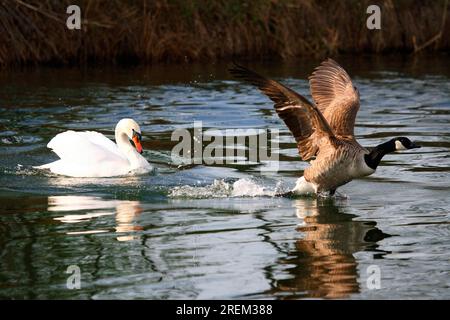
point(374, 157)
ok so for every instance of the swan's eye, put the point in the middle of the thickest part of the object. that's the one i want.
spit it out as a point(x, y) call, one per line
point(137, 135)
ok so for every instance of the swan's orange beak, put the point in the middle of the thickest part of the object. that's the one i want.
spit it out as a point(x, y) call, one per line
point(137, 143)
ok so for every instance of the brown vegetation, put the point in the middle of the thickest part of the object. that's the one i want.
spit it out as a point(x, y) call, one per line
point(113, 31)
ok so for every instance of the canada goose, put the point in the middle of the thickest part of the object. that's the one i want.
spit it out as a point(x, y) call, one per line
point(324, 130)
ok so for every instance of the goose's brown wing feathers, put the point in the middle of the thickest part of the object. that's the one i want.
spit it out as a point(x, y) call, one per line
point(303, 119)
point(335, 96)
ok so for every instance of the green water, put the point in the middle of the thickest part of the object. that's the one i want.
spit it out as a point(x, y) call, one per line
point(217, 231)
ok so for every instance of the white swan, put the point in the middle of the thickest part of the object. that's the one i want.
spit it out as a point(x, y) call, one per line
point(91, 154)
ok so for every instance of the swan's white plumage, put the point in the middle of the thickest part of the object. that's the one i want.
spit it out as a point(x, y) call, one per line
point(86, 146)
point(91, 154)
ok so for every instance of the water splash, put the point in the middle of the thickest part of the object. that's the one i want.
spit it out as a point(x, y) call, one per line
point(26, 170)
point(221, 189)
point(249, 188)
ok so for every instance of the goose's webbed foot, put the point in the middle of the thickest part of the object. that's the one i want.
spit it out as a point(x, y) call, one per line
point(339, 195)
point(331, 194)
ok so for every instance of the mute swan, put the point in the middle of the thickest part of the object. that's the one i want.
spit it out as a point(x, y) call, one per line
point(91, 154)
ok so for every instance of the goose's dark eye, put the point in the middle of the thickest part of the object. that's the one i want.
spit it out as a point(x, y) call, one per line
point(406, 142)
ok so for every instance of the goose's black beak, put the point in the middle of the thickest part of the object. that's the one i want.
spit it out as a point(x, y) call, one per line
point(415, 146)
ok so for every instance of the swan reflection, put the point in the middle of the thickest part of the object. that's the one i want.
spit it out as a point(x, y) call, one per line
point(87, 208)
point(322, 264)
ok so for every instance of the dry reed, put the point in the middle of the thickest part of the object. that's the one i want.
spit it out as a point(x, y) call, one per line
point(113, 31)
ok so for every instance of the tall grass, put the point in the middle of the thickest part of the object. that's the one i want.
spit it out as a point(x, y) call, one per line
point(113, 31)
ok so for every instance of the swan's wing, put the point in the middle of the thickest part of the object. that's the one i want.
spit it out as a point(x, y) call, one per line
point(335, 96)
point(85, 147)
point(102, 141)
point(303, 119)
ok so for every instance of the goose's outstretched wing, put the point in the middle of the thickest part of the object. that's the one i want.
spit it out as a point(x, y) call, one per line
point(335, 96)
point(303, 119)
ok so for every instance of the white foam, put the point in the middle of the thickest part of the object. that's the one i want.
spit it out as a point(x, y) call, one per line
point(220, 189)
point(249, 188)
point(20, 169)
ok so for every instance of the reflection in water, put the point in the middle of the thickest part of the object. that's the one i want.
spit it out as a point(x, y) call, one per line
point(242, 245)
point(94, 207)
point(323, 265)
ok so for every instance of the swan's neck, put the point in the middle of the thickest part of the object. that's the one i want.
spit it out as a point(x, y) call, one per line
point(127, 149)
point(374, 157)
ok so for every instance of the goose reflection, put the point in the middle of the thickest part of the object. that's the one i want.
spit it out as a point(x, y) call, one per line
point(323, 265)
point(87, 208)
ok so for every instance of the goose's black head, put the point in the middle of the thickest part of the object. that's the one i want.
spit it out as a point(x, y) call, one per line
point(403, 143)
point(400, 143)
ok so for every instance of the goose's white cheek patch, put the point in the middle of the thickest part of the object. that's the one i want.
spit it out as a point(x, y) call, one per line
point(399, 146)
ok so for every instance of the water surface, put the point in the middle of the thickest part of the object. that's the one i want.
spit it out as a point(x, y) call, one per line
point(217, 231)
